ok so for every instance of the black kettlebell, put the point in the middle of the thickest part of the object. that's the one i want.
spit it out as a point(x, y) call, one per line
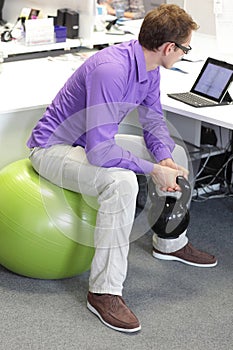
point(169, 216)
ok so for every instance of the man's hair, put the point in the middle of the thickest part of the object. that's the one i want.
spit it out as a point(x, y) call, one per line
point(165, 23)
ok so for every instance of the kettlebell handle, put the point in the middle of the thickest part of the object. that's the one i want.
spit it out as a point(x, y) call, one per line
point(184, 186)
point(185, 189)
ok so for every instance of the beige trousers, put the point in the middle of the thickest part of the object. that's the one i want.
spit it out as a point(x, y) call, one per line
point(116, 190)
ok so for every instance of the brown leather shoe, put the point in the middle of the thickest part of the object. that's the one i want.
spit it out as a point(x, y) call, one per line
point(188, 255)
point(113, 312)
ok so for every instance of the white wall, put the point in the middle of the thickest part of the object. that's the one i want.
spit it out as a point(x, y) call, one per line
point(180, 3)
point(202, 12)
point(224, 24)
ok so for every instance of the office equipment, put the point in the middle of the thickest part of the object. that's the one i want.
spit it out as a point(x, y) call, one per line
point(39, 31)
point(113, 28)
point(60, 33)
point(69, 19)
point(211, 86)
point(72, 24)
point(61, 13)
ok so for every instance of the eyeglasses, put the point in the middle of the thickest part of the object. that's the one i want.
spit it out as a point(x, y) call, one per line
point(185, 49)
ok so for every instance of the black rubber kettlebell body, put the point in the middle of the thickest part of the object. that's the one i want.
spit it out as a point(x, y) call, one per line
point(169, 216)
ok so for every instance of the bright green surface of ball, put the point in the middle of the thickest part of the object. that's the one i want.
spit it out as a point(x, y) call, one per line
point(45, 231)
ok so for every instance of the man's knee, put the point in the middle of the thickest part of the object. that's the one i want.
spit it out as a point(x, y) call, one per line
point(126, 181)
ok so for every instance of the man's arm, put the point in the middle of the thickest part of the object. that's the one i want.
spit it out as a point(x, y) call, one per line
point(156, 133)
point(105, 88)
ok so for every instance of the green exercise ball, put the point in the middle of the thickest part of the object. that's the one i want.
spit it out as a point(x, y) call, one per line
point(45, 231)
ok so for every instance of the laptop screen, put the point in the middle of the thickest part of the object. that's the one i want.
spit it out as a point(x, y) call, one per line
point(213, 80)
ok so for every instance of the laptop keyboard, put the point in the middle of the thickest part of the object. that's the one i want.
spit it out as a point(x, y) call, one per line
point(192, 99)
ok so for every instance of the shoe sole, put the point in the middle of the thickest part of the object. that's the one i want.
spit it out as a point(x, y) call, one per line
point(126, 330)
point(174, 258)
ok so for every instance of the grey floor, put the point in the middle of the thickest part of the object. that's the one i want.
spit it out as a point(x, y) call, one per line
point(180, 307)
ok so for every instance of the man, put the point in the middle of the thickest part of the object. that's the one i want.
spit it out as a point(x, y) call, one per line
point(75, 145)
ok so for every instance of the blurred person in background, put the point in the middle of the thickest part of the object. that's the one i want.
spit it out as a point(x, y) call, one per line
point(133, 9)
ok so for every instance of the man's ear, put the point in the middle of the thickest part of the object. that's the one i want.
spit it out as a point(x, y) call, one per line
point(168, 48)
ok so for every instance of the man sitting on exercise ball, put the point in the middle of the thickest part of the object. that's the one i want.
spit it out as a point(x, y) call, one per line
point(76, 145)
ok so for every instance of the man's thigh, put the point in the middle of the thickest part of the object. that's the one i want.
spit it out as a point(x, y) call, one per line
point(68, 167)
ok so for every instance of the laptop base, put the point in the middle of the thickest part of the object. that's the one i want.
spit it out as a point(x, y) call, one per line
point(227, 100)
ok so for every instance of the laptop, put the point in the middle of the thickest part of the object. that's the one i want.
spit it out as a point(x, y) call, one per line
point(211, 86)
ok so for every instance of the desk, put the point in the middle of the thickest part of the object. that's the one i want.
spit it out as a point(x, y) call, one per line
point(185, 118)
point(27, 87)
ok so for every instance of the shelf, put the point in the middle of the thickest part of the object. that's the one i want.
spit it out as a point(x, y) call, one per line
point(203, 151)
point(17, 48)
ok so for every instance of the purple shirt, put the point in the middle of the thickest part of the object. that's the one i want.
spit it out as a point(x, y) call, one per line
point(88, 109)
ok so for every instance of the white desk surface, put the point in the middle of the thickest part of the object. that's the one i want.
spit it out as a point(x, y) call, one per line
point(33, 83)
point(30, 84)
point(203, 46)
point(175, 81)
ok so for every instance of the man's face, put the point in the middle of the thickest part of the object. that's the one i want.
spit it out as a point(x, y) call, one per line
point(177, 52)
